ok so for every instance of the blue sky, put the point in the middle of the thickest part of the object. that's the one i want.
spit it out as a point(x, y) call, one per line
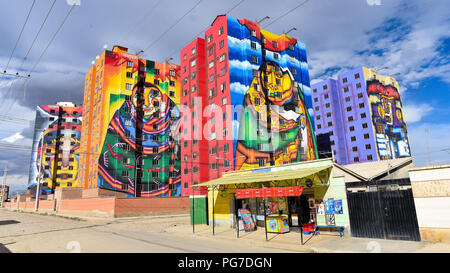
point(410, 37)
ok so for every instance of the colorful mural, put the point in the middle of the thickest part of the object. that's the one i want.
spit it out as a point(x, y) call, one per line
point(269, 78)
point(55, 146)
point(388, 120)
point(140, 142)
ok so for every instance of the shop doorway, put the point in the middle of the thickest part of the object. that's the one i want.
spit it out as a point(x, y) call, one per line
point(301, 210)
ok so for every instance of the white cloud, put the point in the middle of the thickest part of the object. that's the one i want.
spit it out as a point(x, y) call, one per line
point(415, 112)
point(246, 65)
point(13, 138)
point(239, 88)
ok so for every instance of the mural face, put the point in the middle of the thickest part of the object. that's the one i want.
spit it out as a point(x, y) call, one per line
point(269, 78)
point(141, 143)
point(388, 120)
point(56, 145)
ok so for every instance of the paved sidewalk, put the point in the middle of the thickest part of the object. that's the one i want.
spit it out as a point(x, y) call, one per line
point(323, 243)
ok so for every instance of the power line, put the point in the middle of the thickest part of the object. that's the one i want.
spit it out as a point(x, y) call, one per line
point(37, 34)
point(286, 13)
point(131, 29)
point(51, 40)
point(20, 35)
point(172, 26)
point(198, 34)
point(43, 53)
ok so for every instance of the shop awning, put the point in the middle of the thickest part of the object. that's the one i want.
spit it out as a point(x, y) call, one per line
point(319, 175)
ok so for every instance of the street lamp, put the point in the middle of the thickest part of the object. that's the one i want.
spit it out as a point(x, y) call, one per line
point(267, 17)
point(290, 30)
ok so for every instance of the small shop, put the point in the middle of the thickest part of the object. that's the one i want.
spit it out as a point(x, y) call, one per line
point(296, 197)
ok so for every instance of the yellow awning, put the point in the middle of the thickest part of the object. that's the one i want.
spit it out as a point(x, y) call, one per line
point(261, 177)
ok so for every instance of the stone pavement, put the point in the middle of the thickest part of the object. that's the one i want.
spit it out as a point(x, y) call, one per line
point(325, 242)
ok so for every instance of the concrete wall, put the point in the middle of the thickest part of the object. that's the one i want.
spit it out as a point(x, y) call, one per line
point(108, 206)
point(431, 190)
point(151, 206)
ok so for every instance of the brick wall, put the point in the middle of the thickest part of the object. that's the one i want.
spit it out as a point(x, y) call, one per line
point(142, 206)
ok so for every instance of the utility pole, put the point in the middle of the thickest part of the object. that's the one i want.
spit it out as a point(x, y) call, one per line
point(5, 172)
point(38, 188)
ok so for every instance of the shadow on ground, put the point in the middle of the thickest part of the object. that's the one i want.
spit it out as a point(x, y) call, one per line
point(8, 222)
point(4, 249)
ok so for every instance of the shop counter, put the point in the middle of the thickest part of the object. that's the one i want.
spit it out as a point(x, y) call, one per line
point(277, 223)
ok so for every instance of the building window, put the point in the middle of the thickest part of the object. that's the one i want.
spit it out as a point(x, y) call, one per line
point(275, 44)
point(325, 96)
point(325, 87)
point(360, 95)
point(353, 138)
point(129, 64)
point(358, 85)
point(344, 80)
point(346, 89)
point(315, 90)
point(211, 64)
point(253, 45)
point(369, 157)
point(129, 75)
point(210, 38)
point(355, 149)
point(361, 105)
point(367, 146)
point(349, 108)
point(327, 105)
point(350, 118)
point(129, 86)
point(220, 30)
point(254, 59)
point(364, 125)
point(319, 126)
point(221, 43)
point(193, 51)
point(366, 136)
point(261, 162)
point(351, 128)
point(356, 76)
point(276, 56)
point(356, 159)
point(317, 117)
point(363, 115)
point(347, 99)
point(330, 124)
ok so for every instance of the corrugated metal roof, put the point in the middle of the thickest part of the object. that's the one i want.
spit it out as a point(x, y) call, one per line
point(270, 176)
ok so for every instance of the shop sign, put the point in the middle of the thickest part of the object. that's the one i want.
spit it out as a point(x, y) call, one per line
point(338, 207)
point(247, 220)
point(269, 192)
point(329, 205)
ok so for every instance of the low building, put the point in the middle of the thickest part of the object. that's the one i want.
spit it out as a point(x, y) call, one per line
point(431, 190)
point(331, 195)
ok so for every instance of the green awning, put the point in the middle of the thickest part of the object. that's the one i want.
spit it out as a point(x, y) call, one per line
point(260, 177)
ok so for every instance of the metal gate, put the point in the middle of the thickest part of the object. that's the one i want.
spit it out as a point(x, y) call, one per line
point(382, 209)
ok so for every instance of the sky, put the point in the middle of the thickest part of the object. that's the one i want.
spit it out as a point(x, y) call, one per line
point(409, 37)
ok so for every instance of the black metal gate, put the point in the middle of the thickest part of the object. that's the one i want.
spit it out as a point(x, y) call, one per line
point(382, 209)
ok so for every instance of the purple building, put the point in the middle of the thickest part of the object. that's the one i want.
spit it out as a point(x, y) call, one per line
point(363, 114)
